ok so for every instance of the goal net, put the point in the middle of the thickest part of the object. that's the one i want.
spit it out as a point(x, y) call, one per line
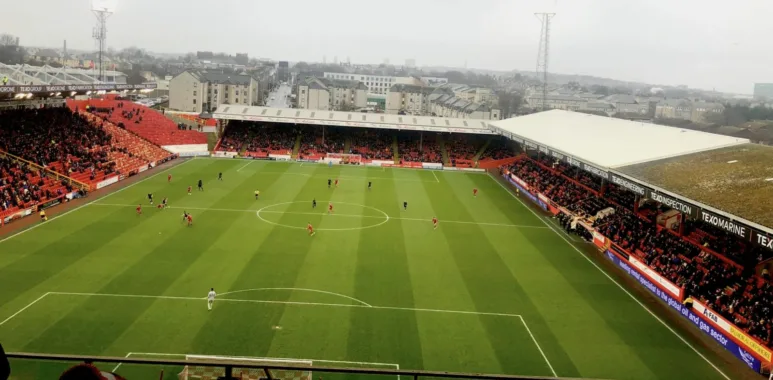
point(213, 372)
point(343, 158)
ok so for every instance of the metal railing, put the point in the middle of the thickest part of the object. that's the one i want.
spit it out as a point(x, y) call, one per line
point(47, 171)
point(230, 366)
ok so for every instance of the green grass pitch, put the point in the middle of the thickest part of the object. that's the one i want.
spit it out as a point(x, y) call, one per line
point(494, 289)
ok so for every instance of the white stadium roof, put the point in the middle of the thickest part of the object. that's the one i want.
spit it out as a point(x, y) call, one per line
point(608, 142)
point(352, 119)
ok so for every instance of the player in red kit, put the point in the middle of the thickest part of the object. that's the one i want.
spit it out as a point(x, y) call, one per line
point(329, 208)
point(190, 220)
point(310, 229)
point(139, 209)
point(169, 178)
point(336, 182)
point(475, 192)
point(434, 222)
point(189, 189)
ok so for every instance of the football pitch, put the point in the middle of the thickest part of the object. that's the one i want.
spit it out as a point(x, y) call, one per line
point(496, 288)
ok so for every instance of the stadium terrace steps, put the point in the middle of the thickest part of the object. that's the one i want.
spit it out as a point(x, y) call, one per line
point(348, 144)
point(296, 146)
point(395, 151)
point(482, 150)
point(443, 151)
point(143, 121)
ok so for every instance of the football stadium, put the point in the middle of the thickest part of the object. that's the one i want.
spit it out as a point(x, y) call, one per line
point(317, 244)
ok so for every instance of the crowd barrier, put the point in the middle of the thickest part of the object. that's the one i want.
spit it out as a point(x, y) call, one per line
point(744, 347)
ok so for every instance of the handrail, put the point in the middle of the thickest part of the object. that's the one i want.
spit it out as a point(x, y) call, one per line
point(219, 363)
point(48, 171)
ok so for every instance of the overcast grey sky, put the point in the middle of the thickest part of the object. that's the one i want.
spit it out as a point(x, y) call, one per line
point(700, 43)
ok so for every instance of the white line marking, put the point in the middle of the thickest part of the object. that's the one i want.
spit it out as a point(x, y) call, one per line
point(119, 364)
point(178, 298)
point(301, 164)
point(299, 289)
point(436, 180)
point(24, 308)
point(538, 346)
point(245, 165)
point(386, 217)
point(426, 220)
point(92, 202)
point(397, 366)
point(613, 281)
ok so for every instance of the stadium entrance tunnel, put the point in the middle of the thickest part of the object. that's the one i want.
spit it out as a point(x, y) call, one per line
point(344, 217)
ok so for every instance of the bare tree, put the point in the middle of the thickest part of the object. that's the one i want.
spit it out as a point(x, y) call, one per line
point(8, 40)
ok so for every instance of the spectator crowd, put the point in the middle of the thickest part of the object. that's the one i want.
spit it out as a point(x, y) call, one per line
point(710, 264)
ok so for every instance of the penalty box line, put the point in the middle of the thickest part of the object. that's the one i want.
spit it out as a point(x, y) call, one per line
point(253, 358)
point(297, 303)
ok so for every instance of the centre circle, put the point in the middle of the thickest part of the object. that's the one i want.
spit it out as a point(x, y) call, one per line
point(267, 209)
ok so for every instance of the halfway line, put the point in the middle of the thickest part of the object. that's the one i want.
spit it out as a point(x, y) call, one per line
point(334, 214)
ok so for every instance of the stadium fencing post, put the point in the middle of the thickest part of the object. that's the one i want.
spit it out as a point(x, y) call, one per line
point(229, 371)
point(268, 374)
point(161, 377)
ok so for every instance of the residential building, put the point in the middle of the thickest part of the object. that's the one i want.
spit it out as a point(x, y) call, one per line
point(448, 105)
point(706, 112)
point(627, 104)
point(763, 90)
point(329, 94)
point(408, 99)
point(196, 91)
point(562, 102)
point(376, 84)
point(283, 71)
point(313, 94)
point(473, 94)
point(674, 109)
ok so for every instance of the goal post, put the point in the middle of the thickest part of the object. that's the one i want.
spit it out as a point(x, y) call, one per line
point(215, 368)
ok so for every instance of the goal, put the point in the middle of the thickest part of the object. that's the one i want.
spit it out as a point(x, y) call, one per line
point(193, 371)
point(344, 158)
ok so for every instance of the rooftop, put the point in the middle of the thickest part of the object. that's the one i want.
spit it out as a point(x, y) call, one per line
point(737, 179)
point(609, 142)
point(352, 119)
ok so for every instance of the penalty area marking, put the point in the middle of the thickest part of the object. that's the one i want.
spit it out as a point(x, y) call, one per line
point(386, 217)
point(252, 358)
point(296, 303)
point(298, 289)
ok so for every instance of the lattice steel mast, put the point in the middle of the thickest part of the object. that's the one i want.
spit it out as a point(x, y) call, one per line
point(543, 55)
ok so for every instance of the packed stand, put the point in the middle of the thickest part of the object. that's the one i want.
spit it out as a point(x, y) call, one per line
point(738, 295)
point(372, 144)
point(555, 187)
point(143, 121)
point(316, 142)
point(58, 139)
point(271, 139)
point(416, 148)
point(497, 149)
point(570, 171)
point(462, 149)
point(620, 195)
point(233, 138)
point(22, 187)
point(721, 241)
